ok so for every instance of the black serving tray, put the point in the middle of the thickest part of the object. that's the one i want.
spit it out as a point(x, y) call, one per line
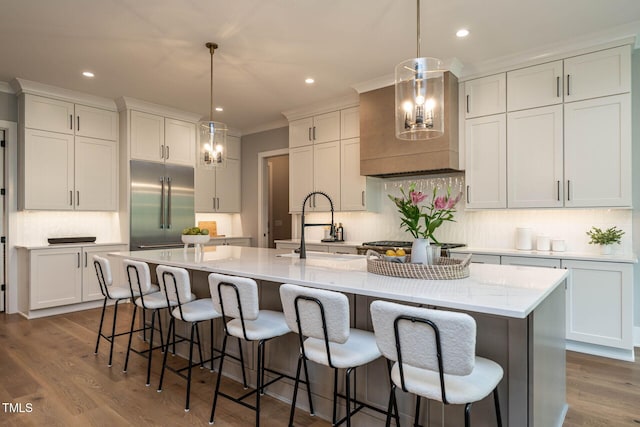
point(61, 240)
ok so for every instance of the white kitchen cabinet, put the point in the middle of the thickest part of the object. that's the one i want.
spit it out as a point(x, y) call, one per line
point(477, 258)
point(486, 160)
point(314, 130)
point(485, 96)
point(54, 115)
point(60, 174)
point(535, 158)
point(63, 276)
point(530, 261)
point(219, 189)
point(159, 139)
point(230, 241)
point(350, 123)
point(602, 73)
point(597, 152)
point(536, 86)
point(357, 192)
point(326, 175)
point(300, 177)
point(600, 303)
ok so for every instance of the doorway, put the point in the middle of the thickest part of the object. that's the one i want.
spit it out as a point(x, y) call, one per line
point(274, 217)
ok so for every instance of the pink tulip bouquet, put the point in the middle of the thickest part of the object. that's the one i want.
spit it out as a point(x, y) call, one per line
point(423, 220)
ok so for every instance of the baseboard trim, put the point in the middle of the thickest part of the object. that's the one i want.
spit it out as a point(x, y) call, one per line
point(636, 336)
point(603, 351)
point(44, 312)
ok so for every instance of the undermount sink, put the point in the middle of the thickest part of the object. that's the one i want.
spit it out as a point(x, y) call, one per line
point(323, 256)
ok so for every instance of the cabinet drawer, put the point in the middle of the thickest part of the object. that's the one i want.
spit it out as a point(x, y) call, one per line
point(530, 261)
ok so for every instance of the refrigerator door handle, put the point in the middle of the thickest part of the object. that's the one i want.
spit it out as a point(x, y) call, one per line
point(169, 202)
point(162, 202)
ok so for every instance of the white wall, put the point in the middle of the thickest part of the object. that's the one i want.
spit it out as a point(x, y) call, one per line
point(480, 229)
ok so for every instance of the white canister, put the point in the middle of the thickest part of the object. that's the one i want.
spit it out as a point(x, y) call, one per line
point(523, 238)
point(543, 243)
point(558, 245)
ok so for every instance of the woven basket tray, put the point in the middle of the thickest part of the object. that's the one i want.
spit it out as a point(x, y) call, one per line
point(446, 268)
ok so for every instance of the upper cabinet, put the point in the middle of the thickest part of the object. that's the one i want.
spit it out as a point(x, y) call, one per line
point(602, 73)
point(314, 130)
point(218, 190)
point(485, 96)
point(69, 155)
point(568, 133)
point(161, 139)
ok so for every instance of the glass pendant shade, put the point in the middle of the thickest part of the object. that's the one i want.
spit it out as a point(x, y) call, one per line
point(212, 144)
point(419, 84)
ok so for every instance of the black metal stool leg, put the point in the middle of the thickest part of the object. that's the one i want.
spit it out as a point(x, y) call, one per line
point(335, 396)
point(199, 346)
point(262, 379)
point(244, 375)
point(211, 343)
point(113, 331)
point(348, 393)
point(164, 357)
point(496, 402)
point(194, 331)
point(295, 391)
point(153, 319)
point(215, 394)
point(416, 417)
point(104, 307)
point(467, 415)
point(259, 380)
point(133, 322)
point(306, 375)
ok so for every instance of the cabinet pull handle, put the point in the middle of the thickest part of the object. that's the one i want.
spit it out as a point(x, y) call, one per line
point(78, 259)
point(362, 197)
point(558, 190)
point(162, 151)
point(314, 133)
point(70, 198)
point(467, 194)
point(71, 121)
point(568, 87)
point(78, 198)
point(558, 86)
point(167, 157)
point(309, 134)
point(85, 260)
point(467, 103)
point(568, 190)
point(78, 122)
point(213, 202)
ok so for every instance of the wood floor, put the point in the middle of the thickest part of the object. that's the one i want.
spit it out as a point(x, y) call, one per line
point(48, 365)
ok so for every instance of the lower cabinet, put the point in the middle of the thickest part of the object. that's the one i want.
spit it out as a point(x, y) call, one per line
point(600, 303)
point(63, 276)
point(230, 241)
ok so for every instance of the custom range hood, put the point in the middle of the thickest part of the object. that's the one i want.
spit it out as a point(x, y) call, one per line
point(382, 154)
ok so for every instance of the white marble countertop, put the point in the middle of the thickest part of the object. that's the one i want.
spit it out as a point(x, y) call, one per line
point(584, 256)
point(510, 291)
point(68, 245)
point(319, 242)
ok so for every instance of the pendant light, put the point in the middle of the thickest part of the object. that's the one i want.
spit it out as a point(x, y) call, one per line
point(212, 146)
point(419, 86)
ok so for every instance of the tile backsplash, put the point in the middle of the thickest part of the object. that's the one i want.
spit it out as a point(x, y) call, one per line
point(35, 227)
point(494, 228)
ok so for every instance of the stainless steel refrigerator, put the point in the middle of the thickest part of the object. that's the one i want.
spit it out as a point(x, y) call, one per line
point(162, 204)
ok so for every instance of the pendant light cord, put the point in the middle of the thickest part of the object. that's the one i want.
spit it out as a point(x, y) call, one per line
point(418, 28)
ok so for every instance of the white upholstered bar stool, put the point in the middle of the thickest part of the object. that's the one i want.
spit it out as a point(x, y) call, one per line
point(176, 287)
point(434, 355)
point(110, 293)
point(321, 319)
point(237, 298)
point(149, 298)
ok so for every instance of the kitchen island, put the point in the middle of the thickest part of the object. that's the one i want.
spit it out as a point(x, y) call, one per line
point(520, 312)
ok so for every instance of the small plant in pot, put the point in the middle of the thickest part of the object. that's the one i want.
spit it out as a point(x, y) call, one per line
point(605, 238)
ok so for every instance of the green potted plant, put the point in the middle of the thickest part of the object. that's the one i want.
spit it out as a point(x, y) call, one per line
point(605, 238)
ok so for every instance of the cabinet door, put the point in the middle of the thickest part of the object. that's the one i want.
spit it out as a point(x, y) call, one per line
point(48, 171)
point(597, 152)
point(96, 123)
point(300, 177)
point(352, 184)
point(238, 242)
point(536, 86)
point(55, 278)
point(326, 127)
point(350, 123)
point(300, 132)
point(228, 187)
point(147, 136)
point(90, 286)
point(180, 142)
point(602, 73)
point(477, 258)
point(599, 303)
point(205, 190)
point(96, 174)
point(326, 175)
point(530, 261)
point(535, 158)
point(486, 96)
point(486, 162)
point(48, 114)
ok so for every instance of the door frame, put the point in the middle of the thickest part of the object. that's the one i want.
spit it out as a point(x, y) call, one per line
point(10, 213)
point(263, 192)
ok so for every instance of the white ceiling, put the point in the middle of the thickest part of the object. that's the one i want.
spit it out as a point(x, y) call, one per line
point(154, 49)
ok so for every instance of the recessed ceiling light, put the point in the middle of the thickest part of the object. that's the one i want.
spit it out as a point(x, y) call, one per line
point(88, 74)
point(462, 33)
point(309, 80)
point(219, 109)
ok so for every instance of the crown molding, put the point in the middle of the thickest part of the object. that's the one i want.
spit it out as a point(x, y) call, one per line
point(22, 86)
point(6, 88)
point(127, 103)
point(351, 100)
